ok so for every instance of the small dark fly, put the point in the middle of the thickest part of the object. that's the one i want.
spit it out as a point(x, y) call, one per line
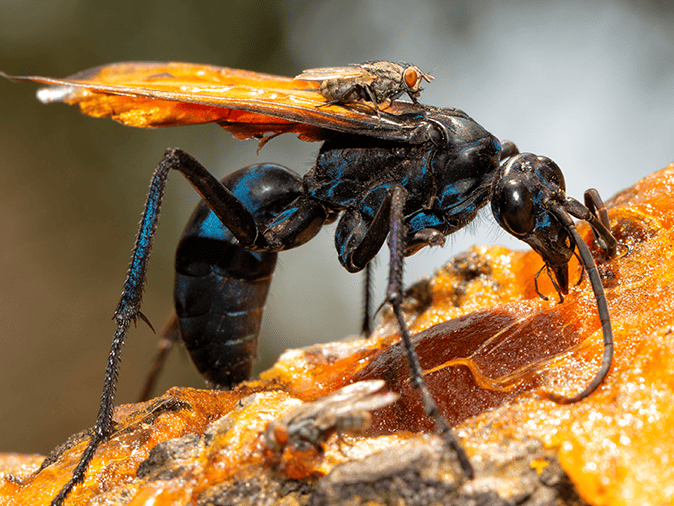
point(376, 82)
point(345, 410)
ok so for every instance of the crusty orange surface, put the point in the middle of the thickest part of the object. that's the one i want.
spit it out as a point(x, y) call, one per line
point(487, 342)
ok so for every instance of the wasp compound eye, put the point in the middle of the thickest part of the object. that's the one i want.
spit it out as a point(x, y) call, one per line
point(515, 208)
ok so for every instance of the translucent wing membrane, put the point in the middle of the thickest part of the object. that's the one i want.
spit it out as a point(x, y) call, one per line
point(248, 104)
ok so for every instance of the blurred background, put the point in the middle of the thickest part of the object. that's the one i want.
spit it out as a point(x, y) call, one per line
point(589, 84)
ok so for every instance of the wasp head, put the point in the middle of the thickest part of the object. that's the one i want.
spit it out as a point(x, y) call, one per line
point(526, 198)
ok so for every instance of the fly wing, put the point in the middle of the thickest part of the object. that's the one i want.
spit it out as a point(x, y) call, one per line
point(361, 396)
point(333, 404)
point(347, 72)
point(248, 104)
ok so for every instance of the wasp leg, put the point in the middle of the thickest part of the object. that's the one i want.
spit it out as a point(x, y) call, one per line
point(226, 206)
point(394, 297)
point(358, 241)
point(221, 287)
point(357, 244)
point(128, 310)
point(366, 327)
point(603, 236)
point(296, 224)
point(230, 210)
point(170, 336)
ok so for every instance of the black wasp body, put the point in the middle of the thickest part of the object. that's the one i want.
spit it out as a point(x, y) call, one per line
point(221, 282)
point(411, 174)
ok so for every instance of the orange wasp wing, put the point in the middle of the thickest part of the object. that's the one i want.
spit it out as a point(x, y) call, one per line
point(248, 104)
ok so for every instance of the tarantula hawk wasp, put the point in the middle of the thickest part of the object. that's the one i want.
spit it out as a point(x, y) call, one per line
point(410, 173)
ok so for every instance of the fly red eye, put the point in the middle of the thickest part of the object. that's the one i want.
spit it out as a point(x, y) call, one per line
point(411, 77)
point(281, 434)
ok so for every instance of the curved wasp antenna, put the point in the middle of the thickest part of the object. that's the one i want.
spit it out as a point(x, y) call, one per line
point(529, 202)
point(562, 214)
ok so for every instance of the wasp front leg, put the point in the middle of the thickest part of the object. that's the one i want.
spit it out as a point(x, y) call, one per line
point(394, 297)
point(357, 243)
